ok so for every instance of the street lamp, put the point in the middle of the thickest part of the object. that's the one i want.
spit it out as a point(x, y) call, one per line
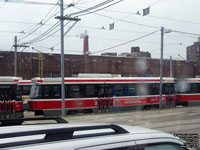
point(161, 61)
point(40, 63)
point(161, 65)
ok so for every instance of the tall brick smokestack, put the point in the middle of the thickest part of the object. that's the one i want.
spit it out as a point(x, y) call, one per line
point(86, 44)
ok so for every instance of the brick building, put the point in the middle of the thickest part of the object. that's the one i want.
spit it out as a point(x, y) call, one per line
point(30, 65)
point(193, 51)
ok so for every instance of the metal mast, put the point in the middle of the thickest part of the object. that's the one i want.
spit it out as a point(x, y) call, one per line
point(161, 65)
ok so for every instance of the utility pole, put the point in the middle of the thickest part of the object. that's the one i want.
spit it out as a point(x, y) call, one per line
point(15, 55)
point(40, 63)
point(161, 65)
point(62, 18)
point(171, 67)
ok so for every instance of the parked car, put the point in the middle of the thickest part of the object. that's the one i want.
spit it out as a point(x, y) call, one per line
point(66, 136)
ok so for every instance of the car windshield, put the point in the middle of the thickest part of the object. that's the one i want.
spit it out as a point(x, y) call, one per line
point(133, 62)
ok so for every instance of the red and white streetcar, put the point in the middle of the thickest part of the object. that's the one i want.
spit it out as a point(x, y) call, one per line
point(99, 94)
point(188, 91)
point(11, 105)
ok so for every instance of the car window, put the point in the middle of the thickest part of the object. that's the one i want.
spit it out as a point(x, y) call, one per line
point(164, 147)
point(124, 148)
point(126, 145)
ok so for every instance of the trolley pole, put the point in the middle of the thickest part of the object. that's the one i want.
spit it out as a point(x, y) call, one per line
point(161, 65)
point(15, 57)
point(62, 18)
point(171, 67)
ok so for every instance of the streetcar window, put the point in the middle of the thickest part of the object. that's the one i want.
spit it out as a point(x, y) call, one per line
point(155, 90)
point(46, 91)
point(100, 90)
point(66, 90)
point(119, 90)
point(143, 89)
point(8, 92)
point(90, 91)
point(5, 87)
point(194, 88)
point(36, 91)
point(74, 91)
point(131, 90)
point(168, 88)
point(56, 91)
point(182, 87)
point(24, 89)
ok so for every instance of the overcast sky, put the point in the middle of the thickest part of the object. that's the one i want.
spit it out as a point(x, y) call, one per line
point(179, 15)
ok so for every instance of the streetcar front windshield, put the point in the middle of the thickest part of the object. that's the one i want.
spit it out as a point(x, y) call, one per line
point(36, 92)
point(8, 92)
point(25, 89)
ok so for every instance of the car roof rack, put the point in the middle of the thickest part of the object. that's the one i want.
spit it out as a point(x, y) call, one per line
point(19, 121)
point(59, 134)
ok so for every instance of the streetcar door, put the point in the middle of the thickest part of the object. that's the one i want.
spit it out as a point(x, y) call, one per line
point(7, 93)
point(104, 91)
point(105, 102)
point(168, 91)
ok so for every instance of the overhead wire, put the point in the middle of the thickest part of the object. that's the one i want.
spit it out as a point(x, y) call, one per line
point(42, 36)
point(10, 32)
point(29, 2)
point(52, 33)
point(100, 9)
point(149, 15)
point(79, 2)
point(96, 6)
point(188, 33)
point(69, 29)
point(164, 18)
point(142, 24)
point(172, 19)
point(42, 22)
point(44, 33)
point(125, 42)
point(91, 8)
point(139, 24)
point(129, 31)
point(47, 48)
point(20, 22)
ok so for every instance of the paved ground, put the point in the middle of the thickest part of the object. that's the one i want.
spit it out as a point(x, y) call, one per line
point(183, 119)
point(174, 120)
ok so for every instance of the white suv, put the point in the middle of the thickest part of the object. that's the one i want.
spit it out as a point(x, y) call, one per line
point(65, 136)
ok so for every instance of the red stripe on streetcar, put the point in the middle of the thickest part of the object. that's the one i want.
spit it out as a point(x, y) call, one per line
point(188, 98)
point(24, 82)
point(109, 80)
point(106, 80)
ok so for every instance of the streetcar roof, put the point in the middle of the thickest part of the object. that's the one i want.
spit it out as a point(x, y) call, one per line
point(189, 80)
point(75, 80)
point(25, 82)
point(9, 80)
